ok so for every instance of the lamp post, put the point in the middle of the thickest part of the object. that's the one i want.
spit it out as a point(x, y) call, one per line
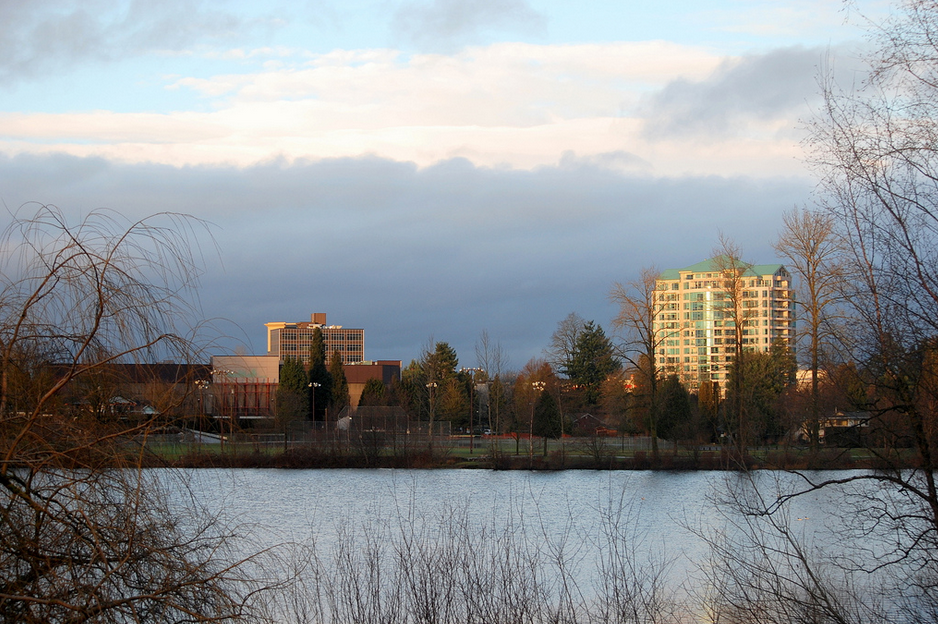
point(231, 424)
point(430, 387)
point(221, 399)
point(201, 384)
point(472, 383)
point(312, 388)
point(538, 386)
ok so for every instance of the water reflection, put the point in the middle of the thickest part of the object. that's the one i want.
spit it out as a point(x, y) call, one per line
point(665, 511)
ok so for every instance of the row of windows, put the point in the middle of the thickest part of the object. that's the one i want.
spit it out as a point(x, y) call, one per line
point(304, 336)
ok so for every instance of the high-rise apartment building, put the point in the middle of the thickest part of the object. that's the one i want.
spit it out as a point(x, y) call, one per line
point(696, 310)
point(293, 340)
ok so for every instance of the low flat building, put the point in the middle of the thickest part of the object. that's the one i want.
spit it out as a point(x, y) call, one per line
point(242, 386)
point(358, 374)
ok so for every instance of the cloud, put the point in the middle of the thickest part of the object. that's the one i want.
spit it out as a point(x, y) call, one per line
point(507, 104)
point(447, 25)
point(762, 93)
point(407, 252)
point(42, 38)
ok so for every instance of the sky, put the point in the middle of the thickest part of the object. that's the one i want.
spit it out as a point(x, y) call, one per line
point(427, 170)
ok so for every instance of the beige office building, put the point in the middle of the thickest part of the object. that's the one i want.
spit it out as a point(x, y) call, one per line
point(293, 340)
point(695, 332)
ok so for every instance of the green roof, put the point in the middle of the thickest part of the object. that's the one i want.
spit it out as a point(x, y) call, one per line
point(715, 264)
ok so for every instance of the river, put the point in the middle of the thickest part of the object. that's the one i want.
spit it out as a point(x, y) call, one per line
point(578, 526)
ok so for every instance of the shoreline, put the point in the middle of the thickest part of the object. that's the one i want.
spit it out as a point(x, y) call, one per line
point(309, 458)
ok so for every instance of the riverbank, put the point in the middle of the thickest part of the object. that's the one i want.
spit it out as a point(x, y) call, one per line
point(306, 457)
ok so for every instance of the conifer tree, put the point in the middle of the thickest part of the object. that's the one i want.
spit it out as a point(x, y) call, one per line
point(320, 382)
point(340, 393)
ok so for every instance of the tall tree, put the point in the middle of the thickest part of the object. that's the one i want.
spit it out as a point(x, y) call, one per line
point(643, 327)
point(292, 393)
point(340, 392)
point(500, 404)
point(708, 402)
point(547, 418)
point(736, 313)
point(492, 359)
point(536, 377)
point(813, 250)
point(320, 381)
point(674, 409)
point(591, 362)
point(452, 402)
point(768, 375)
point(874, 146)
point(563, 341)
point(440, 364)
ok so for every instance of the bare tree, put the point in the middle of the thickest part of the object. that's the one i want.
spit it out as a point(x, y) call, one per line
point(736, 312)
point(874, 146)
point(84, 536)
point(491, 358)
point(809, 242)
point(563, 341)
point(643, 327)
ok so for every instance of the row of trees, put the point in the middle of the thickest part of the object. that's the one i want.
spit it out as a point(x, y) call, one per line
point(586, 382)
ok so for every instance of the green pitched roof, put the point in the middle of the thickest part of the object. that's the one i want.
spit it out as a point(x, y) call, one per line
point(712, 265)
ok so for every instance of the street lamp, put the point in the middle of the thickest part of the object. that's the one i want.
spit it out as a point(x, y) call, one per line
point(472, 382)
point(222, 400)
point(430, 387)
point(537, 386)
point(312, 391)
point(312, 386)
point(201, 384)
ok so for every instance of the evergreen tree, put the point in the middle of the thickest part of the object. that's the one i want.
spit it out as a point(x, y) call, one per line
point(319, 377)
point(591, 362)
point(547, 416)
point(374, 393)
point(340, 394)
point(708, 402)
point(440, 365)
point(411, 391)
point(452, 402)
point(674, 408)
point(765, 376)
point(292, 395)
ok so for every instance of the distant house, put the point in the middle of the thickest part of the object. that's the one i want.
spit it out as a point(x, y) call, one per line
point(589, 425)
point(136, 390)
point(844, 429)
